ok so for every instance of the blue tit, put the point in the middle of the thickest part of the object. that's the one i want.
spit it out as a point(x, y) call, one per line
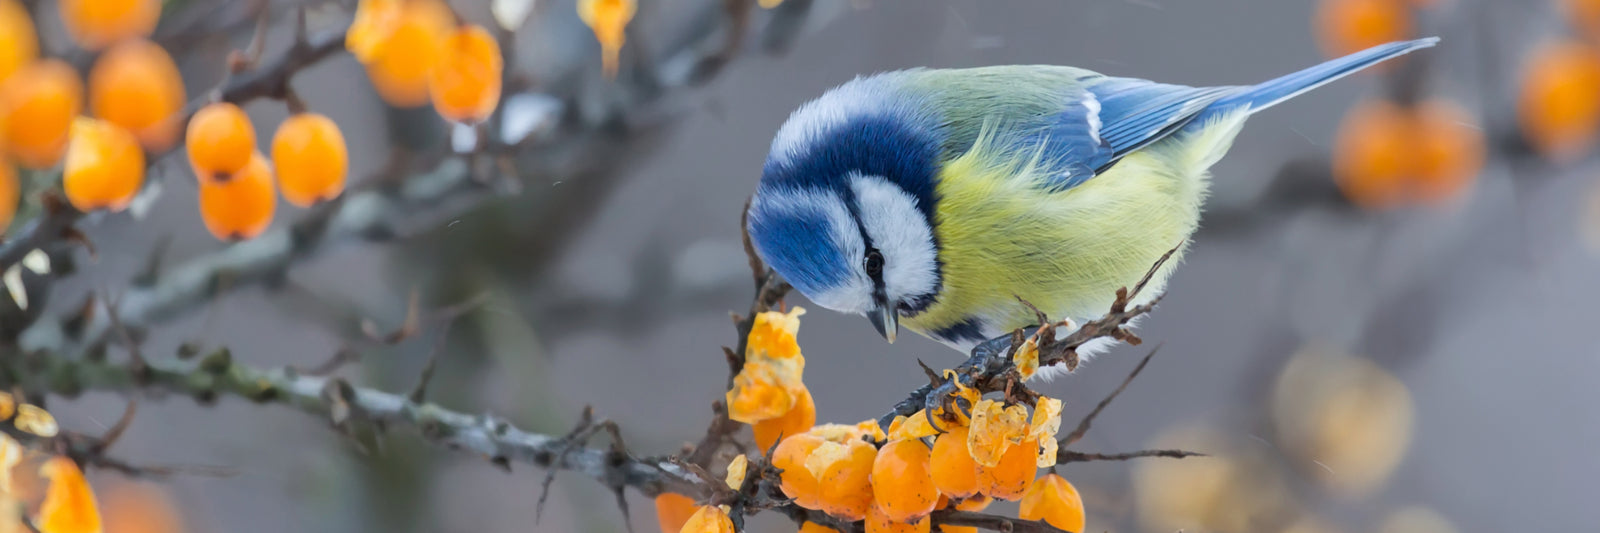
point(935, 198)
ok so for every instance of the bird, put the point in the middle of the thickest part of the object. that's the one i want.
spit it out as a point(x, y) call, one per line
point(935, 199)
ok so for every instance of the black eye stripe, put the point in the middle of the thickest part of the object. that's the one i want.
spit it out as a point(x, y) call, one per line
point(873, 263)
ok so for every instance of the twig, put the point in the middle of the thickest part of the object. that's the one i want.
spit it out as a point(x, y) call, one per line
point(1083, 425)
point(1065, 456)
point(486, 436)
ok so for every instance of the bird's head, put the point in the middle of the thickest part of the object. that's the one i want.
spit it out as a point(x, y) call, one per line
point(845, 210)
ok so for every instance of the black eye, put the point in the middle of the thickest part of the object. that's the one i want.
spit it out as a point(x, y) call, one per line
point(874, 264)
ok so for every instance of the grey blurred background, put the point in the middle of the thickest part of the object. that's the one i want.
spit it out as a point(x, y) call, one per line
point(1481, 309)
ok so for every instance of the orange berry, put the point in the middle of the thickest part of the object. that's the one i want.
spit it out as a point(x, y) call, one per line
point(221, 141)
point(813, 527)
point(708, 519)
point(38, 103)
point(311, 159)
point(954, 471)
point(1349, 26)
point(673, 510)
point(1559, 103)
point(19, 43)
point(374, 19)
point(136, 85)
point(10, 195)
point(1011, 478)
point(609, 21)
point(799, 419)
point(240, 208)
point(94, 24)
point(69, 505)
point(827, 475)
point(104, 167)
point(402, 60)
point(139, 507)
point(465, 85)
point(877, 522)
point(1450, 151)
point(846, 484)
point(1055, 501)
point(1371, 155)
point(902, 484)
point(796, 481)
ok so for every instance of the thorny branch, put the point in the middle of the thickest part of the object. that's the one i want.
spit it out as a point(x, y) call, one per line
point(375, 213)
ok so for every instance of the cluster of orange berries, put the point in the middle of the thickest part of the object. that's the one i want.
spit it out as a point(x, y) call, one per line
point(237, 191)
point(415, 51)
point(892, 480)
point(1389, 154)
point(1558, 106)
point(134, 86)
point(136, 96)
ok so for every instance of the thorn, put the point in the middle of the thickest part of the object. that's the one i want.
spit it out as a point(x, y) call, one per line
point(419, 394)
point(933, 377)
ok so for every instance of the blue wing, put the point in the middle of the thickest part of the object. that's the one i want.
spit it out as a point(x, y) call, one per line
point(1112, 117)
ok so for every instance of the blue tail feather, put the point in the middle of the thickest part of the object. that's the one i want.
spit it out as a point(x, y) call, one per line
point(1272, 92)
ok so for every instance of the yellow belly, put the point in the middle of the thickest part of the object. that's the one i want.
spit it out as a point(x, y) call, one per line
point(1001, 236)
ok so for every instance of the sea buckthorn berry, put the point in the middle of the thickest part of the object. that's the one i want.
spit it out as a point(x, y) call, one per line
point(374, 19)
point(796, 481)
point(10, 197)
point(38, 103)
point(902, 485)
point(1011, 478)
point(69, 505)
point(19, 43)
point(1054, 500)
point(1450, 151)
point(400, 64)
point(877, 522)
point(311, 159)
point(1349, 26)
point(136, 85)
point(799, 419)
point(104, 167)
point(609, 21)
point(242, 207)
point(813, 527)
point(1371, 155)
point(954, 471)
point(220, 141)
point(673, 510)
point(95, 24)
point(844, 477)
point(828, 468)
point(1559, 103)
point(708, 519)
point(465, 85)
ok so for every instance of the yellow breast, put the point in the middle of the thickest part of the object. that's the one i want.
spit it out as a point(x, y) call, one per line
point(1003, 236)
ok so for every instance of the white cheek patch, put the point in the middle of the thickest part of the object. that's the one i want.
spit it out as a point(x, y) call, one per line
point(897, 228)
point(855, 294)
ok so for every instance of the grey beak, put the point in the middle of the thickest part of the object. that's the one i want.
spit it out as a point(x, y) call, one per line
point(886, 321)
